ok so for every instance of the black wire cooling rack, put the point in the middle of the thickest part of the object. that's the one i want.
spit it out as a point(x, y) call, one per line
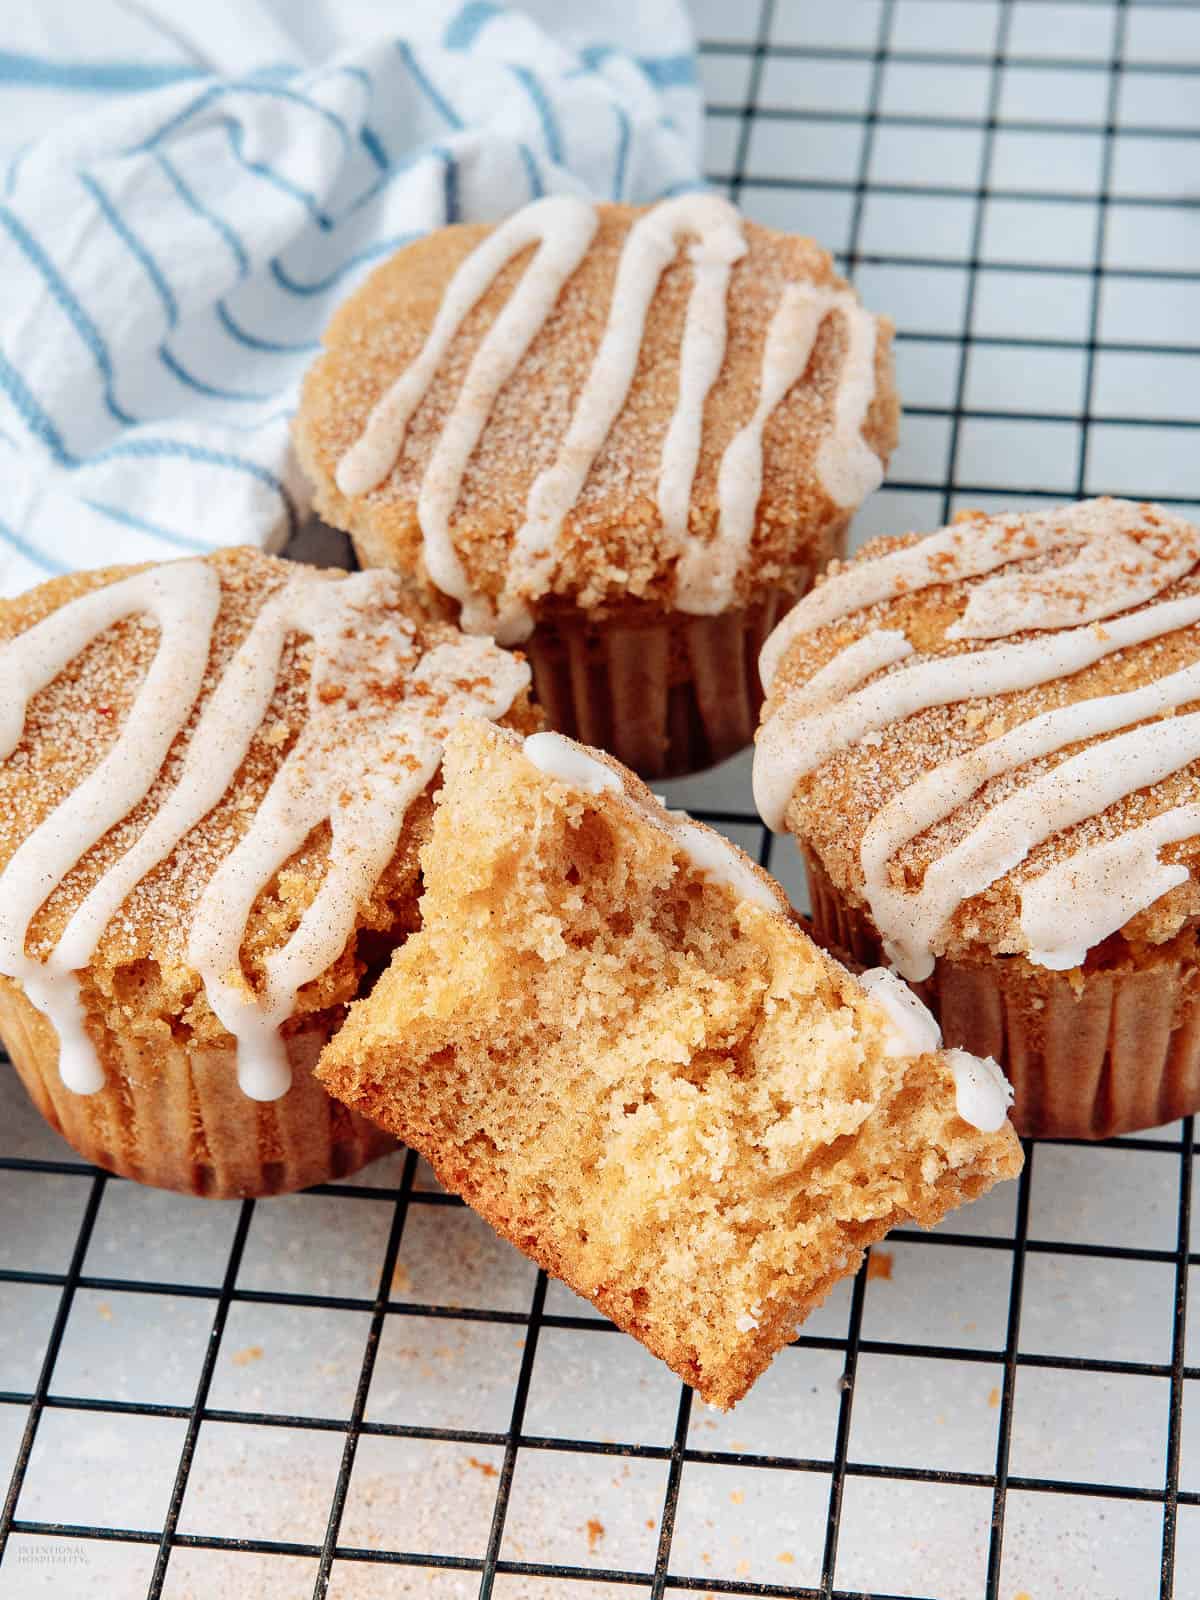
point(1012, 182)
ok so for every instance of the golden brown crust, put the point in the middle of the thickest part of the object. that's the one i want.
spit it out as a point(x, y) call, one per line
point(139, 985)
point(614, 553)
point(664, 1094)
point(832, 807)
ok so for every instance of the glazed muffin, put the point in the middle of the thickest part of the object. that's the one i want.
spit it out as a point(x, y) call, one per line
point(613, 1038)
point(626, 438)
point(215, 775)
point(987, 742)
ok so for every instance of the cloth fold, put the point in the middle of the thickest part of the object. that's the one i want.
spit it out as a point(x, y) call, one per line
point(189, 190)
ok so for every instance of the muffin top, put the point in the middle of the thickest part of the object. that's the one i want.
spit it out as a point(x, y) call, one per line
point(600, 406)
point(214, 777)
point(990, 737)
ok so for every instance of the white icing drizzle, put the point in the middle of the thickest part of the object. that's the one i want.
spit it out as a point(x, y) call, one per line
point(848, 467)
point(982, 1094)
point(505, 344)
point(705, 574)
point(362, 757)
point(183, 600)
point(1078, 788)
point(563, 226)
point(1081, 590)
point(1108, 577)
point(912, 1029)
point(774, 777)
point(910, 922)
point(1074, 903)
point(701, 357)
point(648, 251)
point(714, 857)
point(711, 854)
point(799, 743)
point(845, 465)
point(1069, 909)
point(561, 758)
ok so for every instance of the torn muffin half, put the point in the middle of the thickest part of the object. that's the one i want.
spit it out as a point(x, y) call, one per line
point(613, 1038)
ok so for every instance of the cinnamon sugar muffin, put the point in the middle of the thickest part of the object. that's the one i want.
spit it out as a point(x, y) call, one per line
point(624, 437)
point(987, 742)
point(214, 778)
point(614, 1040)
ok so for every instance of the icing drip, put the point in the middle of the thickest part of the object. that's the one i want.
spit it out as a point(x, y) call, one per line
point(910, 922)
point(1069, 909)
point(700, 360)
point(183, 600)
point(849, 469)
point(362, 758)
point(1081, 590)
point(648, 252)
point(1118, 556)
point(800, 742)
point(562, 758)
point(1076, 789)
point(712, 855)
point(393, 748)
point(982, 1094)
point(912, 1028)
point(1108, 577)
point(564, 228)
point(773, 779)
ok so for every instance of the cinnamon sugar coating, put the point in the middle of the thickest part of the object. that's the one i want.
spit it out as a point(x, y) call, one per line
point(832, 807)
point(662, 1092)
point(139, 985)
point(614, 554)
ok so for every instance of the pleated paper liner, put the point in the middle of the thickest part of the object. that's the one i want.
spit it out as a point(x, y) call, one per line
point(668, 696)
point(1089, 1054)
point(174, 1117)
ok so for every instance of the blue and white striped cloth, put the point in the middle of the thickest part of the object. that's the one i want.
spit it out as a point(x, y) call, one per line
point(190, 187)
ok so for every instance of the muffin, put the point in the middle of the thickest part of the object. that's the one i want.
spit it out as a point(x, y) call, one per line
point(982, 741)
point(215, 775)
point(612, 1037)
point(628, 449)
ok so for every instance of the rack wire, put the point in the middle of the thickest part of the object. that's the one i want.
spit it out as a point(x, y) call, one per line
point(1011, 178)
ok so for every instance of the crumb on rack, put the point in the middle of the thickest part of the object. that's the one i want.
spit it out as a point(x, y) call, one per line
point(879, 1264)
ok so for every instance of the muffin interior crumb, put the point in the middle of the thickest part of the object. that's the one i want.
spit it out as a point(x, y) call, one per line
point(669, 1097)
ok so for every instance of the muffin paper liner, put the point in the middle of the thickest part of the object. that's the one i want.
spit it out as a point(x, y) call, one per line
point(1116, 1050)
point(666, 697)
point(174, 1117)
point(667, 693)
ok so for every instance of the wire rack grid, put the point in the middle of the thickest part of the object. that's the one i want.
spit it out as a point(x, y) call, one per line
point(357, 1392)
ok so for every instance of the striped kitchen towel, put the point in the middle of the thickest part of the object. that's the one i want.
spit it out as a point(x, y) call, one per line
point(190, 187)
